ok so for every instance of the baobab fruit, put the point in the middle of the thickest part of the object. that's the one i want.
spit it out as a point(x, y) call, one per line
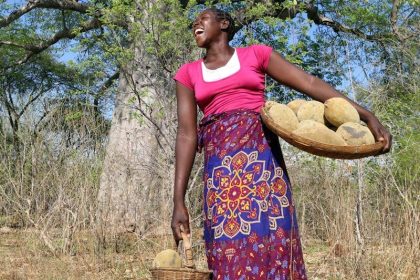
point(283, 116)
point(356, 134)
point(295, 104)
point(318, 132)
point(167, 258)
point(339, 111)
point(311, 110)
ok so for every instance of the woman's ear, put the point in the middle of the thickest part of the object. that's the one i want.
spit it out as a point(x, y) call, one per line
point(224, 25)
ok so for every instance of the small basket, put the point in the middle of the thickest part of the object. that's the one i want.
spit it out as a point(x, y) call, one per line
point(317, 148)
point(188, 272)
point(179, 274)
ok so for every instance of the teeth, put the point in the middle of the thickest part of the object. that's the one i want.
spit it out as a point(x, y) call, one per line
point(198, 31)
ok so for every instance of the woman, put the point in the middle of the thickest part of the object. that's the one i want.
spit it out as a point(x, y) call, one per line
point(250, 225)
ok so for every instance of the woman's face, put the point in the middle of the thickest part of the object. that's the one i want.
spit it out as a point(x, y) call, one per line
point(207, 29)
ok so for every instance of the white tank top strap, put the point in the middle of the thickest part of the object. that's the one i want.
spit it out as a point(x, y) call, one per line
point(231, 67)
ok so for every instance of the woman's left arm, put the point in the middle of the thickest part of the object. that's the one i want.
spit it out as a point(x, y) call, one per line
point(292, 76)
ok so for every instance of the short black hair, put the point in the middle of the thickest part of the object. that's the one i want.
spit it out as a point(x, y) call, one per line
point(222, 15)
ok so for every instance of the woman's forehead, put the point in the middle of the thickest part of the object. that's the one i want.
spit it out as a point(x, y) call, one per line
point(205, 12)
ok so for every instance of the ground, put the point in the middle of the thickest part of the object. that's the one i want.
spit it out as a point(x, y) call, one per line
point(23, 255)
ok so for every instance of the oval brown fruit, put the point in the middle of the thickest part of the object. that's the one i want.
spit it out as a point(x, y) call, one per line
point(318, 132)
point(283, 116)
point(356, 134)
point(295, 104)
point(311, 110)
point(339, 111)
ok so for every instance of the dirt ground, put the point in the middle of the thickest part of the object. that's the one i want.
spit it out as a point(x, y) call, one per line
point(23, 256)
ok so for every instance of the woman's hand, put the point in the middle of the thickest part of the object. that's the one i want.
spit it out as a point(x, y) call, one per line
point(180, 217)
point(380, 133)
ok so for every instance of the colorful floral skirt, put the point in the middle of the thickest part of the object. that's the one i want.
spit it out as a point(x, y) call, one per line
point(250, 226)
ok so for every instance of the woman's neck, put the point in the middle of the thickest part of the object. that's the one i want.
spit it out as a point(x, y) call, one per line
point(218, 53)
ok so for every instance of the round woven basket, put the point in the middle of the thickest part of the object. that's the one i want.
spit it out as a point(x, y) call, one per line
point(317, 148)
point(187, 272)
point(179, 274)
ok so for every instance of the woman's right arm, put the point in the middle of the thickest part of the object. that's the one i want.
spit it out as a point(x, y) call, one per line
point(185, 149)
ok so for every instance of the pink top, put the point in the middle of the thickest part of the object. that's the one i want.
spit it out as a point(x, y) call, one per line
point(242, 90)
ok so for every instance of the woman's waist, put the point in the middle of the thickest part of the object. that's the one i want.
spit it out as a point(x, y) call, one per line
point(226, 115)
point(231, 103)
point(221, 125)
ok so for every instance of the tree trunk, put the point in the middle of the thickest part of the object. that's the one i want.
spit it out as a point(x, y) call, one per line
point(127, 175)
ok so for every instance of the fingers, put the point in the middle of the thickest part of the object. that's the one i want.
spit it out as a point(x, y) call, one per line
point(385, 137)
point(387, 141)
point(181, 231)
point(381, 134)
point(185, 230)
point(176, 231)
point(180, 224)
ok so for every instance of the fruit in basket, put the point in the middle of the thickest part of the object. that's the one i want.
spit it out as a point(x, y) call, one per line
point(339, 111)
point(295, 104)
point(283, 116)
point(356, 134)
point(318, 132)
point(311, 110)
point(167, 258)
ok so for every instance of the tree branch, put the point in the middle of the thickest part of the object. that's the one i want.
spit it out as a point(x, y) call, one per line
point(108, 83)
point(102, 90)
point(319, 19)
point(313, 14)
point(62, 34)
point(47, 4)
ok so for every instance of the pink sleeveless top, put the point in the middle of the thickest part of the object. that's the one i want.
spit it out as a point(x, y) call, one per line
point(243, 89)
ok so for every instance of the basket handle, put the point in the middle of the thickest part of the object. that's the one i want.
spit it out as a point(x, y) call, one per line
point(186, 243)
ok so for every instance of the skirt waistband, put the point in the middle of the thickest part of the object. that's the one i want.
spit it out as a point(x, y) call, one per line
point(210, 119)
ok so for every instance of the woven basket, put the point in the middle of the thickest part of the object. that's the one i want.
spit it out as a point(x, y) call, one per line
point(317, 148)
point(188, 272)
point(179, 274)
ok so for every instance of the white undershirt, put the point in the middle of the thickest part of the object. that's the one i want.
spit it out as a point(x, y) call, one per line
point(231, 67)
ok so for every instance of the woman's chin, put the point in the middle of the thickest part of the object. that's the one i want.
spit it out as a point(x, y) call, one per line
point(200, 42)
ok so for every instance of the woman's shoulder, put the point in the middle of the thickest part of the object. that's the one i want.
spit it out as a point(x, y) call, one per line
point(191, 63)
point(257, 54)
point(257, 50)
point(253, 47)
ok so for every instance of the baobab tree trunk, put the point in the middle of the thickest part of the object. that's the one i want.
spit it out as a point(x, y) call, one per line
point(128, 172)
point(137, 178)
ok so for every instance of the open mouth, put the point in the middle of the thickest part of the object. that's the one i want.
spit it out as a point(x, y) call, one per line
point(198, 31)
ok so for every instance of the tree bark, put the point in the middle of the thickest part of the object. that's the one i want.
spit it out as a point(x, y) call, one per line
point(126, 175)
point(136, 181)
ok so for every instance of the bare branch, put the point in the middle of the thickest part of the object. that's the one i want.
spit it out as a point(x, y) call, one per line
point(47, 4)
point(32, 99)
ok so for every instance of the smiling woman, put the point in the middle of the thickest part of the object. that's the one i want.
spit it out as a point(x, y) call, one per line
point(250, 225)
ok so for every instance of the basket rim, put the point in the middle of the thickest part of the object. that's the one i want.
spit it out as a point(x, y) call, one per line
point(180, 269)
point(318, 148)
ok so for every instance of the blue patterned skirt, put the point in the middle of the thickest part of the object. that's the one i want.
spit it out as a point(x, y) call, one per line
point(250, 226)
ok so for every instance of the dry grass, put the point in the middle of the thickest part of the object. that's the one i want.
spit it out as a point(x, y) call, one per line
point(23, 256)
point(378, 241)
